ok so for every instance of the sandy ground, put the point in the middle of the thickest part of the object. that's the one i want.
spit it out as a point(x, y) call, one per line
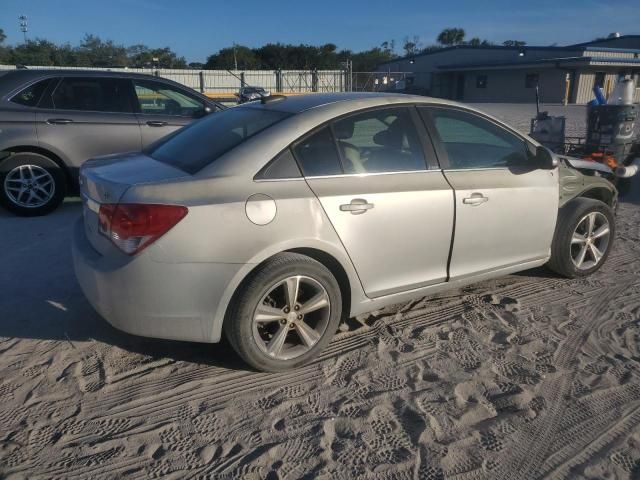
point(526, 376)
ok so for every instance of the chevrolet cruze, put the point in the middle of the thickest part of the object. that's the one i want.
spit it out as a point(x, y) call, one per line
point(273, 220)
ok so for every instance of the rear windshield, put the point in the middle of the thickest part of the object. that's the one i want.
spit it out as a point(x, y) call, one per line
point(203, 142)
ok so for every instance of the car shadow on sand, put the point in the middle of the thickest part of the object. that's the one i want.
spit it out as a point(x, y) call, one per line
point(40, 298)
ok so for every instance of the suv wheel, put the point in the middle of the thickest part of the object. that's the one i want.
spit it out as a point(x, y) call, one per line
point(285, 314)
point(583, 238)
point(31, 184)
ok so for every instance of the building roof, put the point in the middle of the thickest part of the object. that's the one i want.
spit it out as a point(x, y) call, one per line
point(551, 62)
point(606, 40)
point(579, 47)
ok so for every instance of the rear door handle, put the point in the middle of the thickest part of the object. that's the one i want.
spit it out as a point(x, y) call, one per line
point(157, 123)
point(357, 206)
point(59, 121)
point(475, 199)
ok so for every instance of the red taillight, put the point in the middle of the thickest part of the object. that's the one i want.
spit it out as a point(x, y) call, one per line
point(132, 227)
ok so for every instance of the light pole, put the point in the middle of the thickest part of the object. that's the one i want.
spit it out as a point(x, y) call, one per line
point(23, 26)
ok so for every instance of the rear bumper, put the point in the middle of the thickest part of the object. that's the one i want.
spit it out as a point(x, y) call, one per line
point(175, 301)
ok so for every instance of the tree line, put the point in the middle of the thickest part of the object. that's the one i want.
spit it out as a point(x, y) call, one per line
point(96, 52)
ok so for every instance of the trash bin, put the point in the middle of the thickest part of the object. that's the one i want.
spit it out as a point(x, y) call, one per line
point(611, 129)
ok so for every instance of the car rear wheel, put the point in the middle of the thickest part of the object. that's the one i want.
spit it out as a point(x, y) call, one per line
point(31, 184)
point(285, 313)
point(583, 238)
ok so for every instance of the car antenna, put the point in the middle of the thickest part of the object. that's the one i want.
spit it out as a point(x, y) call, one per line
point(272, 98)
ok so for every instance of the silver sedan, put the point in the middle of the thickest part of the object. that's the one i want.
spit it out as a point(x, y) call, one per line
point(272, 221)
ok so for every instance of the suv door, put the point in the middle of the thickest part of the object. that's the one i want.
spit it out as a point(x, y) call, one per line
point(506, 206)
point(393, 214)
point(85, 117)
point(163, 109)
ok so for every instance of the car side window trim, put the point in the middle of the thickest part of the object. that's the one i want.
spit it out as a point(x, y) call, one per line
point(443, 157)
point(426, 139)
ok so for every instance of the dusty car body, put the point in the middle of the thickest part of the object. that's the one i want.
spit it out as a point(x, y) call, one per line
point(353, 201)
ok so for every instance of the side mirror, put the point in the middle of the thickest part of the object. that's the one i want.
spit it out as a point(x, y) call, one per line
point(202, 112)
point(545, 159)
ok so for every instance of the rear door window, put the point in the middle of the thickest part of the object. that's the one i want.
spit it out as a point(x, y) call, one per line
point(204, 141)
point(93, 94)
point(381, 140)
point(30, 96)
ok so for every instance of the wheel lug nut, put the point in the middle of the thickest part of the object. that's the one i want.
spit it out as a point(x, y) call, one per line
point(283, 321)
point(286, 309)
point(297, 307)
point(299, 317)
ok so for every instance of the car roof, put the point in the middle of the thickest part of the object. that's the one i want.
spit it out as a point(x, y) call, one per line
point(28, 73)
point(11, 80)
point(300, 103)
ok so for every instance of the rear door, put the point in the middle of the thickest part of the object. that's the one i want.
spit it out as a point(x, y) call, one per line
point(85, 117)
point(393, 214)
point(506, 206)
point(163, 109)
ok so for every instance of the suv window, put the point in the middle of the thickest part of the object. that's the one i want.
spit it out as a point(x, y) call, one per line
point(317, 154)
point(93, 94)
point(383, 140)
point(31, 95)
point(202, 142)
point(156, 98)
point(474, 142)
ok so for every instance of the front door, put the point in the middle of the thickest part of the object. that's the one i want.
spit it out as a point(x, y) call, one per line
point(506, 207)
point(86, 117)
point(393, 214)
point(163, 109)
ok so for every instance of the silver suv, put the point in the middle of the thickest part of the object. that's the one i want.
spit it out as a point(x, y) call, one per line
point(272, 220)
point(54, 120)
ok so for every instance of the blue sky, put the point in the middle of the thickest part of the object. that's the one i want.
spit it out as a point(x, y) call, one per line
point(197, 28)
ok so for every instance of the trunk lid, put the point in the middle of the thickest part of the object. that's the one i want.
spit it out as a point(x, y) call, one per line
point(105, 180)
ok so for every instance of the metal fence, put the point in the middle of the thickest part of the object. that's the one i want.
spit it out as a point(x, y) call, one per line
point(227, 82)
point(222, 84)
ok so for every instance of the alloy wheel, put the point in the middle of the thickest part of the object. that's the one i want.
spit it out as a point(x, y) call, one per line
point(291, 317)
point(590, 240)
point(29, 186)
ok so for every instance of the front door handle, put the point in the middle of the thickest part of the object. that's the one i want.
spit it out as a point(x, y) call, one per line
point(475, 199)
point(357, 206)
point(157, 123)
point(59, 121)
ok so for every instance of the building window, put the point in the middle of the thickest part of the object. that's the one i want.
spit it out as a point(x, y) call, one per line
point(531, 80)
point(599, 80)
point(481, 81)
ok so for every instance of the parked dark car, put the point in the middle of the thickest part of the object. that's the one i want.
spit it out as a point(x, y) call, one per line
point(249, 94)
point(51, 121)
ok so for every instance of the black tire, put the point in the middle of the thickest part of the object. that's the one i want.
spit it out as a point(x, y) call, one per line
point(569, 216)
point(35, 159)
point(238, 324)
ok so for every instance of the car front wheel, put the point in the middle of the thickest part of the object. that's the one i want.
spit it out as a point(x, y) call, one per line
point(31, 184)
point(583, 237)
point(285, 313)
